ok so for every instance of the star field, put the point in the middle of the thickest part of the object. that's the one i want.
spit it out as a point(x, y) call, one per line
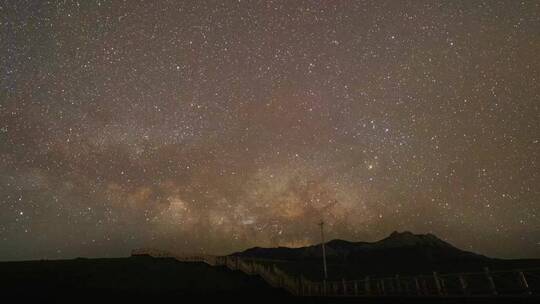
point(213, 126)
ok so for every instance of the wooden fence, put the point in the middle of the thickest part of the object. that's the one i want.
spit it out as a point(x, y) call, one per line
point(524, 282)
point(486, 283)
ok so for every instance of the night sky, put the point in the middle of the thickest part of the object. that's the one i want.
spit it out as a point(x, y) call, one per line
point(216, 126)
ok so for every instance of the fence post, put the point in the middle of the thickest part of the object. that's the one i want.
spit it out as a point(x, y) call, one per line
point(443, 285)
point(406, 283)
point(524, 283)
point(437, 282)
point(391, 285)
point(425, 289)
point(344, 286)
point(367, 286)
point(463, 284)
point(355, 288)
point(490, 281)
point(398, 284)
point(382, 286)
point(418, 290)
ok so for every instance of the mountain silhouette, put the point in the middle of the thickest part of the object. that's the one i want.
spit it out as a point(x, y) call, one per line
point(400, 252)
point(402, 244)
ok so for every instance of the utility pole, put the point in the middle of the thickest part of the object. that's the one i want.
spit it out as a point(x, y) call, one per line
point(323, 251)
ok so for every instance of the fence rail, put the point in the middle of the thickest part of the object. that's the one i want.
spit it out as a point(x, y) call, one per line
point(517, 282)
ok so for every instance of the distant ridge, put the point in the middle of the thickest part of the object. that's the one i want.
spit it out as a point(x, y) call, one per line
point(405, 246)
point(403, 253)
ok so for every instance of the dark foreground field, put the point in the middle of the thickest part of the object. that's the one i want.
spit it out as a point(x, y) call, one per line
point(159, 280)
point(134, 278)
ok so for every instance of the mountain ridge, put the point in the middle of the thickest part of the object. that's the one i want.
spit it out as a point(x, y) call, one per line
point(426, 245)
point(398, 253)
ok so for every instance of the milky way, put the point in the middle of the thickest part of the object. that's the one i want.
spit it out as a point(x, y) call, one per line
point(221, 125)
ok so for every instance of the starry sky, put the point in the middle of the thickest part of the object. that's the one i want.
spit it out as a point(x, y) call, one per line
point(213, 126)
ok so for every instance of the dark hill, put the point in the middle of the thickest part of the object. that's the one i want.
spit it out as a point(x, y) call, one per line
point(399, 253)
point(422, 246)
